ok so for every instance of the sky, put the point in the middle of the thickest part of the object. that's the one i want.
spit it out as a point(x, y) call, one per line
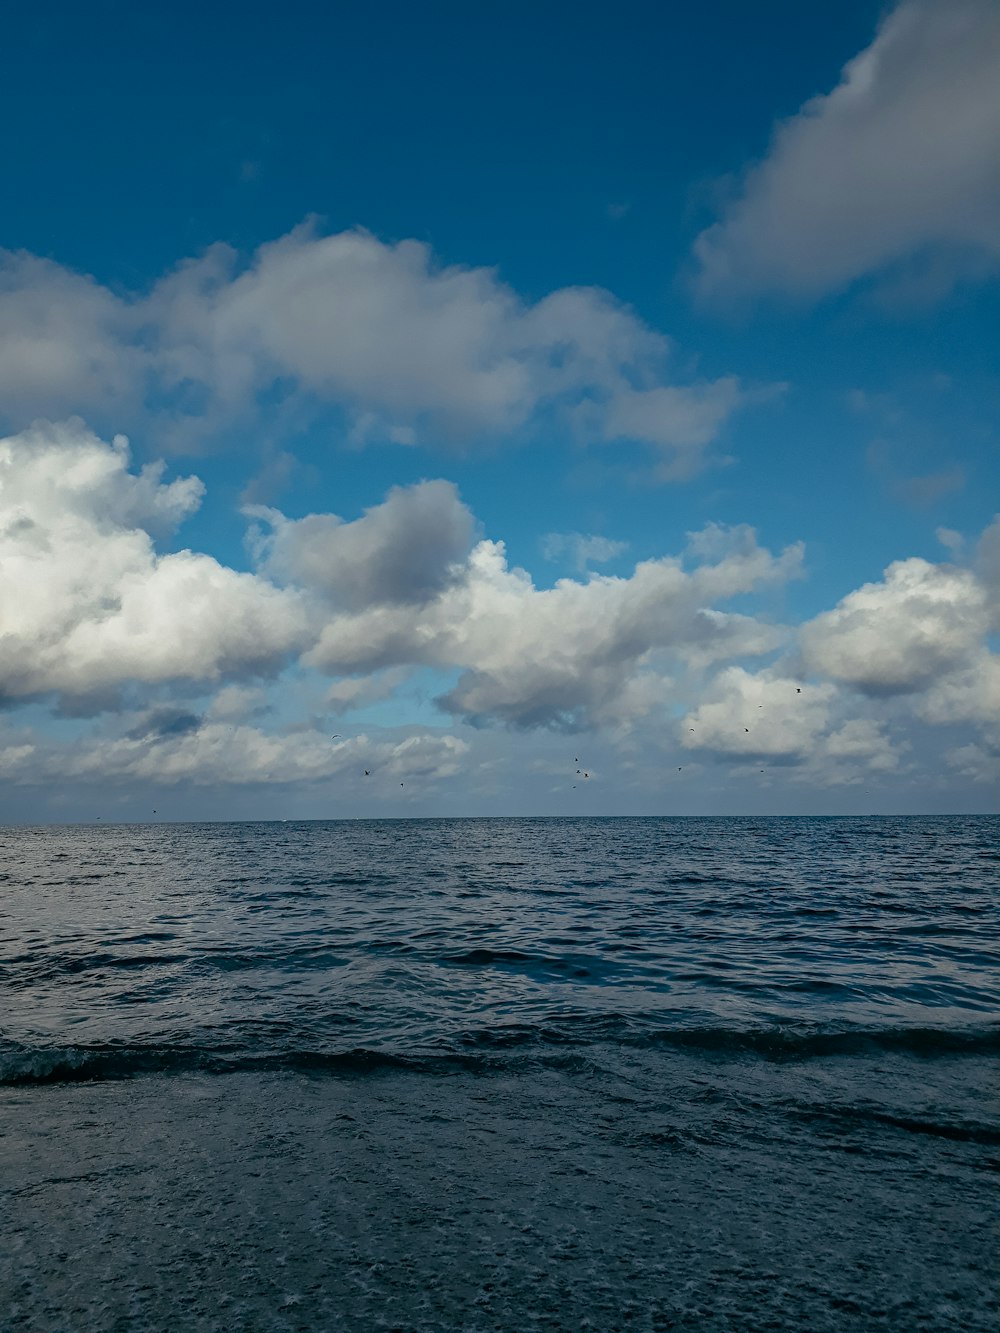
point(499, 409)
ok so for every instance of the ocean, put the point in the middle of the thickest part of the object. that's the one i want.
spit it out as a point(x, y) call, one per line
point(511, 1074)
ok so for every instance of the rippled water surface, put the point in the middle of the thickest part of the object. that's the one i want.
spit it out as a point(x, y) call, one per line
point(716, 1073)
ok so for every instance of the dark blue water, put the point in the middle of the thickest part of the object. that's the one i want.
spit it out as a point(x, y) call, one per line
point(502, 1074)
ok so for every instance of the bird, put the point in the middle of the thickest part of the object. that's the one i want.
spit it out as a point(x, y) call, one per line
point(678, 770)
point(586, 775)
point(690, 728)
point(335, 737)
point(367, 772)
point(797, 690)
point(747, 730)
point(400, 784)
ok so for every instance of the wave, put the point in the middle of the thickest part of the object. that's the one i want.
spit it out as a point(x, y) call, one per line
point(564, 1042)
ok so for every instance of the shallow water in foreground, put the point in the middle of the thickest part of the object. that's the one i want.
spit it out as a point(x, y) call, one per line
point(501, 1074)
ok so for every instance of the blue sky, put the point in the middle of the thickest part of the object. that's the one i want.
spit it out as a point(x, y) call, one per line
point(605, 277)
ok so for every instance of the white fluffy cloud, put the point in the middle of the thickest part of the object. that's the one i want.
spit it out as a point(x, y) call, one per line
point(899, 161)
point(561, 656)
point(91, 605)
point(409, 349)
point(770, 718)
point(748, 715)
point(903, 633)
point(87, 603)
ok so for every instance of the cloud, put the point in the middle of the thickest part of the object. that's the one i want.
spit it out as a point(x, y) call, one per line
point(580, 550)
point(234, 703)
point(95, 615)
point(563, 656)
point(406, 584)
point(899, 162)
point(766, 718)
point(969, 694)
point(978, 763)
point(759, 715)
point(88, 602)
point(67, 344)
point(211, 754)
point(353, 692)
point(409, 349)
point(404, 550)
point(901, 634)
point(988, 564)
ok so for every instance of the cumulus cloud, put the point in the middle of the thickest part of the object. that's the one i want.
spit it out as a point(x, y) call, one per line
point(67, 344)
point(405, 550)
point(901, 634)
point(768, 718)
point(88, 603)
point(404, 585)
point(560, 656)
point(408, 348)
point(749, 715)
point(969, 694)
point(898, 162)
point(90, 609)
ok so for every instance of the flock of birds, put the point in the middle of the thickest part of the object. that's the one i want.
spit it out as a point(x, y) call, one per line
point(580, 772)
point(680, 767)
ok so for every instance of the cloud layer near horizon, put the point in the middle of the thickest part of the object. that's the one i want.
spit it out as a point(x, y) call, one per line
point(94, 614)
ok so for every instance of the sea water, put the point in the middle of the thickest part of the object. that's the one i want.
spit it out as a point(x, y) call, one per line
point(501, 1074)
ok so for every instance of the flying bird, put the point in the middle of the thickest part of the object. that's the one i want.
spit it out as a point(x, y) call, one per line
point(797, 690)
point(367, 772)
